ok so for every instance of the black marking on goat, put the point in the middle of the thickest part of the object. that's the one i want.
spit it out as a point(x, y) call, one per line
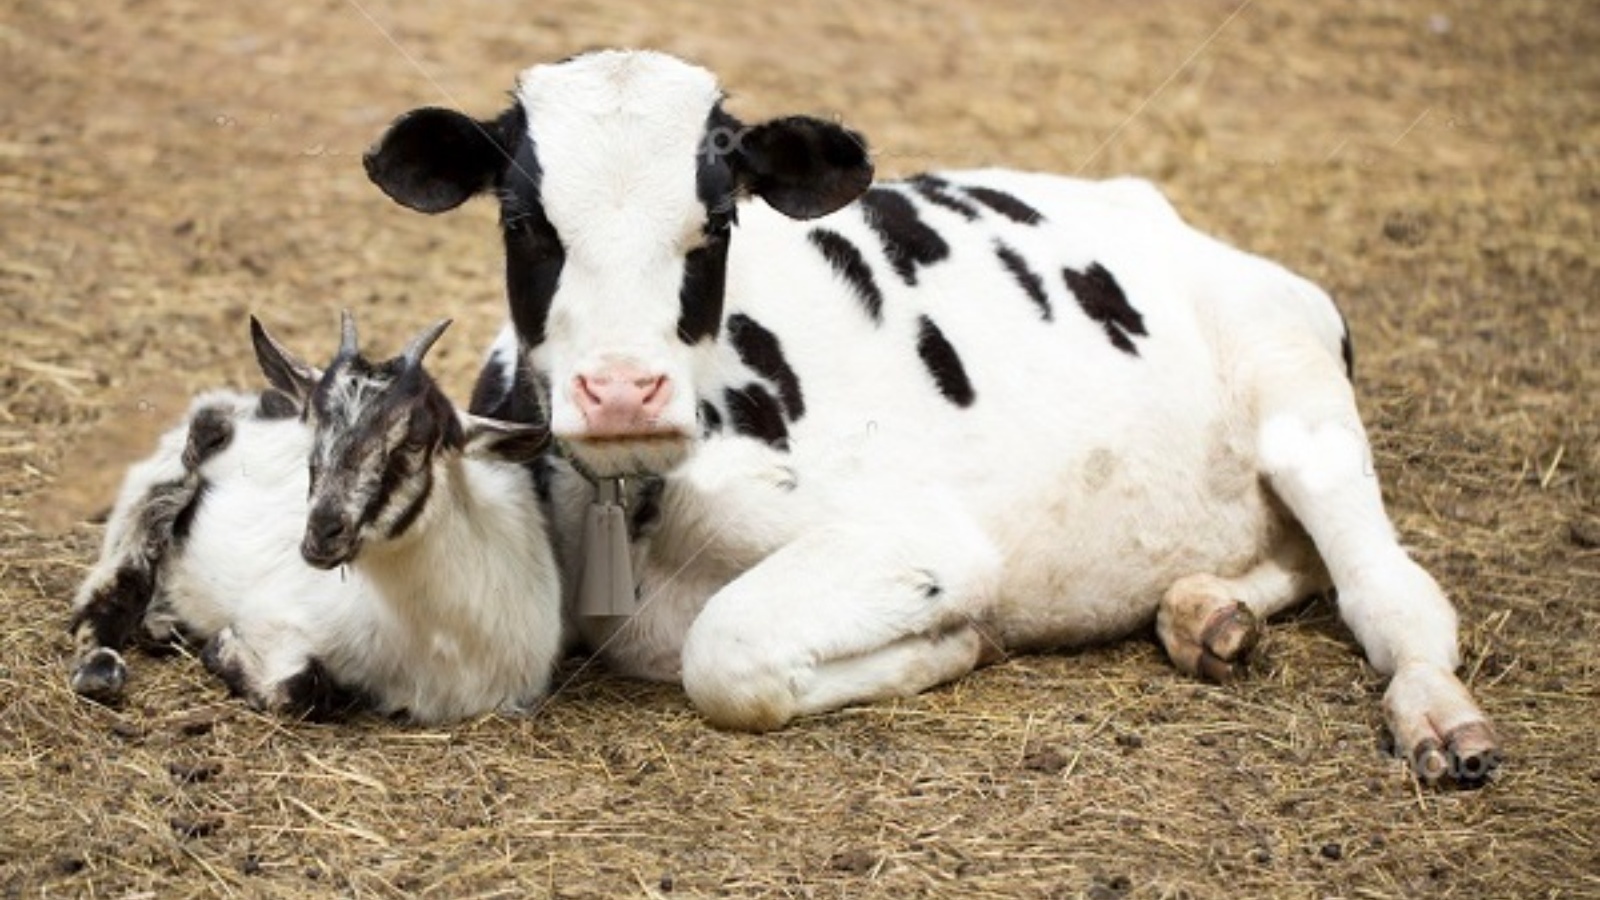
point(710, 419)
point(646, 512)
point(944, 364)
point(936, 190)
point(313, 694)
point(761, 351)
point(907, 240)
point(408, 516)
point(754, 412)
point(1026, 277)
point(850, 265)
point(534, 253)
point(116, 608)
point(1005, 204)
point(210, 432)
point(229, 672)
point(275, 404)
point(1103, 301)
point(183, 522)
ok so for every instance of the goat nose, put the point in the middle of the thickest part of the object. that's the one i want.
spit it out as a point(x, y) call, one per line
point(621, 401)
point(326, 528)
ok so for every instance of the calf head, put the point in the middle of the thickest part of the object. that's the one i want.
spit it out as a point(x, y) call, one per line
point(383, 435)
point(618, 175)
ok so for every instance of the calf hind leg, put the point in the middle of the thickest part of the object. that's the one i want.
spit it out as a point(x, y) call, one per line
point(1316, 458)
point(1210, 625)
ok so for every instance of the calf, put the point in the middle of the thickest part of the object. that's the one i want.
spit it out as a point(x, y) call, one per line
point(908, 427)
point(345, 539)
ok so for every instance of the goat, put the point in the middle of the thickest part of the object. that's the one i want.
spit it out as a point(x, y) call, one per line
point(345, 539)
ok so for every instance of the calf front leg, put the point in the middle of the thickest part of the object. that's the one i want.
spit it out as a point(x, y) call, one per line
point(842, 615)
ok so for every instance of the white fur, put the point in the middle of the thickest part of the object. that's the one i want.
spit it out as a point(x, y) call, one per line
point(1057, 510)
point(457, 617)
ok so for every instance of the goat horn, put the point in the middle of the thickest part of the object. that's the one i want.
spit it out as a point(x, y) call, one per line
point(420, 344)
point(348, 345)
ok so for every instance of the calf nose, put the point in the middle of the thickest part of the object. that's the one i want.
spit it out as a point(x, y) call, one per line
point(621, 401)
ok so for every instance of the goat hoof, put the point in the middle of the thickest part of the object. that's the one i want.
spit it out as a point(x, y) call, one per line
point(210, 431)
point(101, 675)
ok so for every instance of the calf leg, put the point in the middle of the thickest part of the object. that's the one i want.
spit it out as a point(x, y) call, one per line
point(842, 615)
point(1209, 625)
point(158, 497)
point(1315, 455)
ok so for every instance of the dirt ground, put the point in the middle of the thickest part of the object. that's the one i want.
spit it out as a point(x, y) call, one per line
point(167, 166)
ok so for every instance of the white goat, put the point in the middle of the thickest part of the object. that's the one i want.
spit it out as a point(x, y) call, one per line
point(431, 588)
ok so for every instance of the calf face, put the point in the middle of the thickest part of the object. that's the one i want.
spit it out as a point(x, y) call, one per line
point(618, 175)
point(381, 433)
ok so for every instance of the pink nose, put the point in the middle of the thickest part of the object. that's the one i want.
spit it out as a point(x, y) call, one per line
point(621, 401)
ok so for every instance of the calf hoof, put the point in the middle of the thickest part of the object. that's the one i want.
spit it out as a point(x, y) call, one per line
point(1438, 729)
point(210, 432)
point(101, 675)
point(1207, 634)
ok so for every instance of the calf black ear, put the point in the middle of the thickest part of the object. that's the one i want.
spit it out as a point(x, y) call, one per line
point(803, 167)
point(283, 369)
point(433, 160)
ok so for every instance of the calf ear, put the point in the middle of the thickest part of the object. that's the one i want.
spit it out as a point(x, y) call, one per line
point(283, 369)
point(803, 167)
point(433, 160)
point(505, 441)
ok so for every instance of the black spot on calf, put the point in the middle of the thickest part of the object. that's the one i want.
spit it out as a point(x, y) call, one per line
point(850, 265)
point(646, 509)
point(944, 364)
point(1027, 279)
point(1006, 205)
point(534, 252)
point(761, 351)
point(754, 412)
point(710, 418)
point(907, 240)
point(937, 191)
point(705, 279)
point(1103, 301)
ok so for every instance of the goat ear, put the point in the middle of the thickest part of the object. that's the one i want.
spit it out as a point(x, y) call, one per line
point(432, 160)
point(283, 369)
point(511, 442)
point(803, 167)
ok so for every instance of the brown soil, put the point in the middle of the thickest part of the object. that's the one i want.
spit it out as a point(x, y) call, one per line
point(168, 165)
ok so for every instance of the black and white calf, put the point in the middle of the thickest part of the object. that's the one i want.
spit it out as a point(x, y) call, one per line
point(909, 426)
point(347, 538)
